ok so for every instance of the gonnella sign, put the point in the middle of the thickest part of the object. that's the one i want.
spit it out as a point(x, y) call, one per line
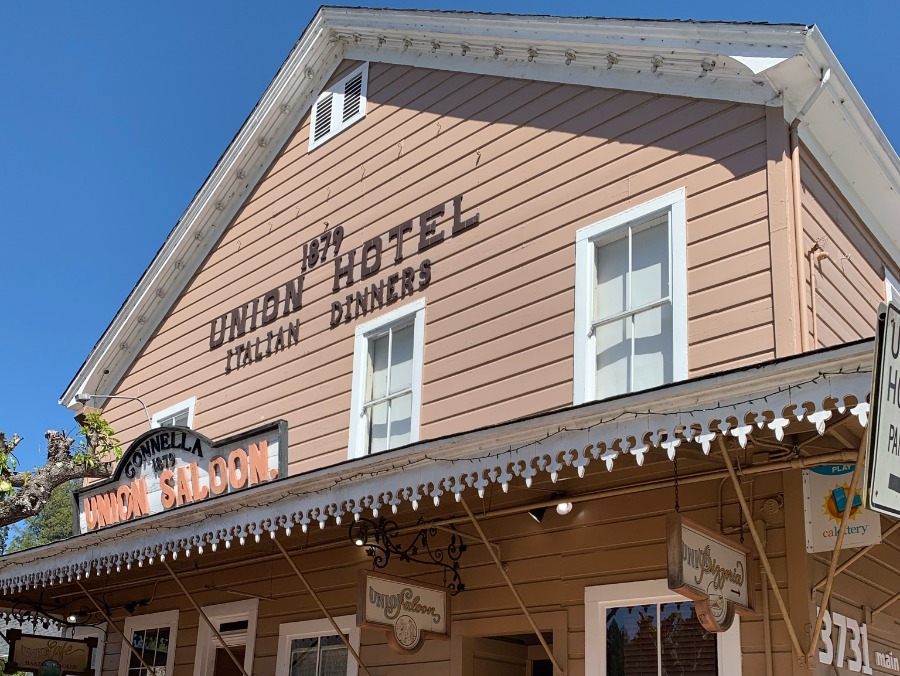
point(172, 467)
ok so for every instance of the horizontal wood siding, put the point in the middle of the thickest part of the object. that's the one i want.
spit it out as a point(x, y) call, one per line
point(601, 542)
point(537, 161)
point(850, 281)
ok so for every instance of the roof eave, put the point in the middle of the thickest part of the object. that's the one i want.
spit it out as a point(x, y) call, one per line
point(844, 137)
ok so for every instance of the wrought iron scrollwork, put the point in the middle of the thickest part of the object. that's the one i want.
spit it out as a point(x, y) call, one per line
point(379, 539)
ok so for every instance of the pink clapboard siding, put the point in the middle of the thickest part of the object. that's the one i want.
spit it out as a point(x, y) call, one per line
point(537, 161)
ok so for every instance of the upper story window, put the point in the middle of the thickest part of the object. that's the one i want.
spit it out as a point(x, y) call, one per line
point(311, 648)
point(387, 381)
point(631, 300)
point(179, 415)
point(339, 106)
point(153, 636)
point(645, 628)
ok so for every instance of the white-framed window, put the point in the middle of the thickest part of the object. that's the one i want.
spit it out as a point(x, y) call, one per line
point(891, 288)
point(631, 300)
point(179, 415)
point(312, 648)
point(83, 632)
point(339, 106)
point(236, 624)
point(387, 380)
point(644, 627)
point(153, 636)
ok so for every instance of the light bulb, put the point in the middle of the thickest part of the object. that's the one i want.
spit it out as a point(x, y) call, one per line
point(563, 508)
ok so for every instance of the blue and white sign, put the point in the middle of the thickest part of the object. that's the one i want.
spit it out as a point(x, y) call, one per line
point(826, 491)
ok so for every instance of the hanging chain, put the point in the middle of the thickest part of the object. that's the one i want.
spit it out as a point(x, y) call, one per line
point(675, 465)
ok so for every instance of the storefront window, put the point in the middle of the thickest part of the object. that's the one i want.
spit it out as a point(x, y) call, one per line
point(153, 645)
point(645, 629)
point(153, 638)
point(318, 656)
point(657, 639)
point(312, 648)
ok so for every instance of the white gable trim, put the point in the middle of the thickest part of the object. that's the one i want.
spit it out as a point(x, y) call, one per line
point(277, 114)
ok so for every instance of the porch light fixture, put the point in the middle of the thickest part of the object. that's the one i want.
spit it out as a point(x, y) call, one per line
point(537, 513)
point(85, 397)
point(562, 508)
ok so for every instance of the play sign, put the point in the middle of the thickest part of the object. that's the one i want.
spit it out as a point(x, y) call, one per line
point(884, 428)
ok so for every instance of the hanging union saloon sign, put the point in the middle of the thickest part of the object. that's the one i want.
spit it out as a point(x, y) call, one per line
point(407, 610)
point(170, 467)
point(709, 569)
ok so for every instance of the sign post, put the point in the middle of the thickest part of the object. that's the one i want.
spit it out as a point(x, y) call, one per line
point(884, 426)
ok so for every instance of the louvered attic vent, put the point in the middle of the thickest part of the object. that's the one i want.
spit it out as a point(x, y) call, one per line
point(339, 106)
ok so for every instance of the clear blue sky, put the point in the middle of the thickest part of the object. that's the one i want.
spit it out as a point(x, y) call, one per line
point(113, 114)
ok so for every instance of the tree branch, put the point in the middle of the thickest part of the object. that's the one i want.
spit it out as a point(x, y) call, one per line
point(33, 488)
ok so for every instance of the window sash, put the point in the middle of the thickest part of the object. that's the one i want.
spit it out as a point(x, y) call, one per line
point(317, 650)
point(628, 313)
point(389, 397)
point(659, 629)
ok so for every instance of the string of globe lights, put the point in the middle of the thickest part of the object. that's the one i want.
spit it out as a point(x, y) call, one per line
point(241, 533)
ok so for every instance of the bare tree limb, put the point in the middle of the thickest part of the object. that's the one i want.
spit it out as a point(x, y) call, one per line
point(32, 489)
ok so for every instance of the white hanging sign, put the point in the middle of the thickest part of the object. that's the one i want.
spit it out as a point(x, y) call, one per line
point(408, 610)
point(826, 490)
point(710, 569)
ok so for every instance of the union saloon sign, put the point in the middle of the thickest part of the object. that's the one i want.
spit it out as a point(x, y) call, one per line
point(170, 467)
point(409, 611)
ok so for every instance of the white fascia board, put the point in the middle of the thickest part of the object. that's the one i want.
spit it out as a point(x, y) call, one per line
point(276, 115)
point(741, 90)
point(702, 36)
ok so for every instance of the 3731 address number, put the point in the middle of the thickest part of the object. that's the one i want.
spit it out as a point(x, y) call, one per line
point(850, 634)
